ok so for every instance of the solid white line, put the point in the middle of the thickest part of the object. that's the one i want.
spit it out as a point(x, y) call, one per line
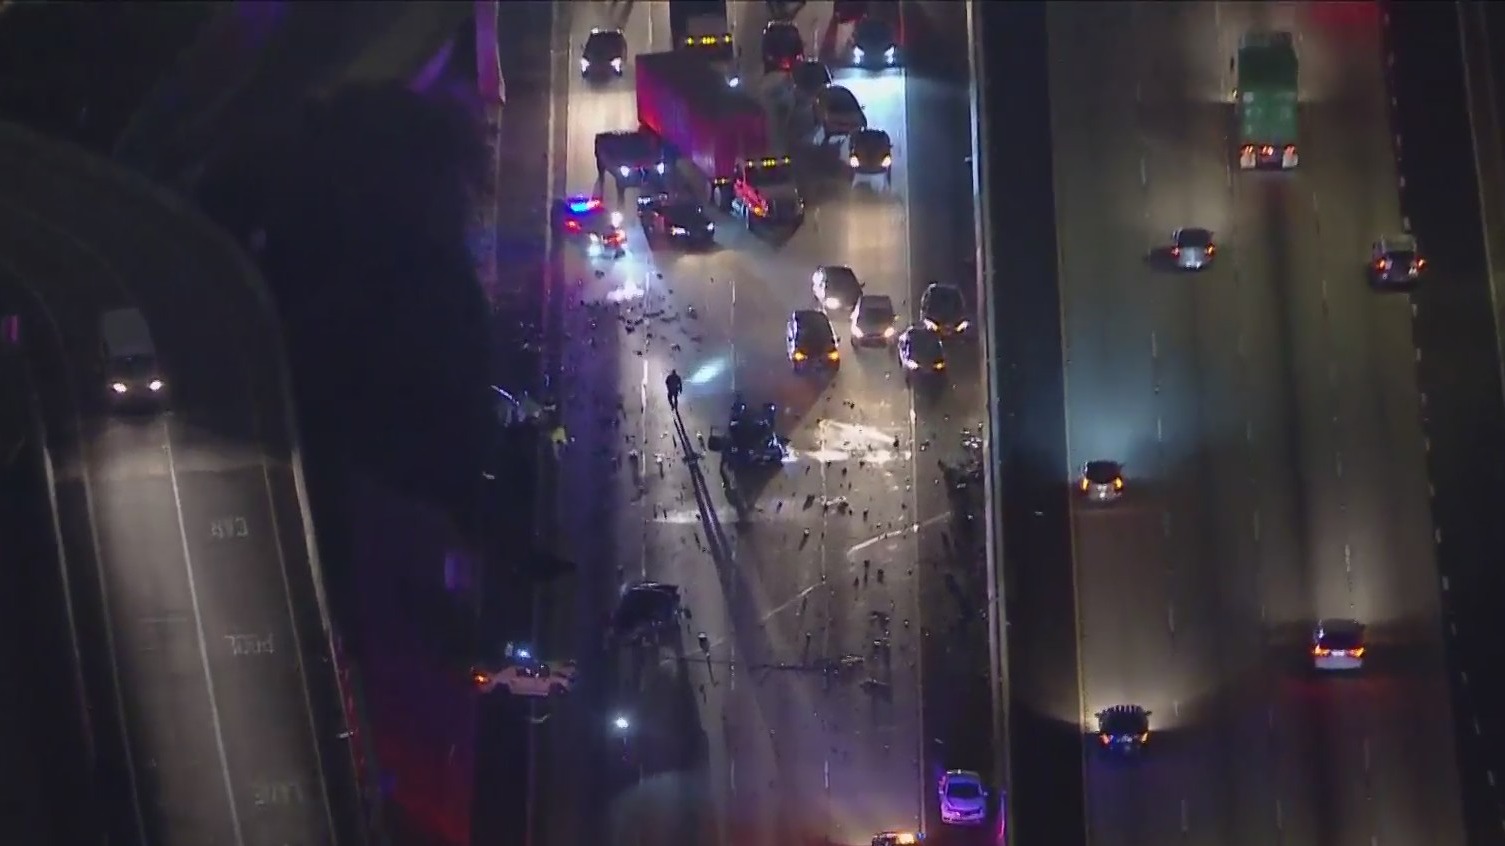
point(198, 622)
point(292, 622)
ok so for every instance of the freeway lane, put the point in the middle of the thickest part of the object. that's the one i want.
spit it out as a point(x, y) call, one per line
point(1267, 413)
point(183, 532)
point(749, 742)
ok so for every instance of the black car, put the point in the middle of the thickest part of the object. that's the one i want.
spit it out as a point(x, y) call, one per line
point(751, 436)
point(1123, 729)
point(835, 286)
point(944, 310)
point(604, 54)
point(632, 157)
point(783, 47)
point(875, 44)
point(1395, 261)
point(873, 320)
point(811, 341)
point(677, 221)
point(810, 76)
point(1102, 481)
point(921, 352)
point(135, 382)
point(646, 609)
point(871, 152)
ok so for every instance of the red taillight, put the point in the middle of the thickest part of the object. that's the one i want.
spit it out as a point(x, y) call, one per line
point(1290, 149)
point(1105, 739)
point(1267, 150)
point(1175, 252)
point(479, 679)
point(1420, 263)
point(572, 225)
point(1320, 652)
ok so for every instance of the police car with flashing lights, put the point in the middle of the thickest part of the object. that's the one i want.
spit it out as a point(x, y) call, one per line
point(1123, 729)
point(870, 152)
point(632, 157)
point(874, 44)
point(1395, 261)
point(677, 221)
point(526, 675)
point(604, 53)
point(1338, 645)
point(586, 222)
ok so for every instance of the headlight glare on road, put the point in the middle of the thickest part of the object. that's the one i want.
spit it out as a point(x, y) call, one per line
point(118, 387)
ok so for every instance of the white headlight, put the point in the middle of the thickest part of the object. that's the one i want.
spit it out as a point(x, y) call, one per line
point(154, 385)
point(616, 65)
point(930, 324)
point(857, 53)
point(616, 218)
point(888, 161)
point(817, 276)
point(624, 170)
point(710, 227)
point(676, 230)
point(854, 161)
point(585, 65)
point(889, 332)
point(660, 167)
point(118, 387)
point(832, 302)
point(733, 82)
point(890, 54)
point(910, 364)
point(962, 326)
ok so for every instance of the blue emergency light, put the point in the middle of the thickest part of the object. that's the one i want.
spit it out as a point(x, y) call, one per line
point(583, 205)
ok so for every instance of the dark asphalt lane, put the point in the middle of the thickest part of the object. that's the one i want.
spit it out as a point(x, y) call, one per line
point(1267, 414)
point(1459, 370)
point(827, 542)
point(1027, 412)
point(182, 530)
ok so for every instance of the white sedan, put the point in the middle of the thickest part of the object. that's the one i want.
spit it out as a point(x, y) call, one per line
point(964, 800)
point(538, 679)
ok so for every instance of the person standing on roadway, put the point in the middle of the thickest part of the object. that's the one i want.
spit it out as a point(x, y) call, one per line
point(674, 385)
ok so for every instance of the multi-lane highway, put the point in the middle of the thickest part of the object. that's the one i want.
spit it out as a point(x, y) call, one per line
point(1267, 414)
point(205, 663)
point(748, 741)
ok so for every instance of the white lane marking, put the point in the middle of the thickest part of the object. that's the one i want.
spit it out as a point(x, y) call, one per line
point(1280, 816)
point(198, 622)
point(1185, 817)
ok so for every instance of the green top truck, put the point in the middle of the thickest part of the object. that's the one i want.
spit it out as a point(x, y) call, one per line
point(1265, 98)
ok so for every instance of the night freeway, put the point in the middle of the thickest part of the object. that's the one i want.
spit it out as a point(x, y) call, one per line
point(179, 529)
point(788, 706)
point(1267, 417)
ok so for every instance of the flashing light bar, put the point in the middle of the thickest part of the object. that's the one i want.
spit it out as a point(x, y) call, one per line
point(771, 161)
point(708, 40)
point(583, 205)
